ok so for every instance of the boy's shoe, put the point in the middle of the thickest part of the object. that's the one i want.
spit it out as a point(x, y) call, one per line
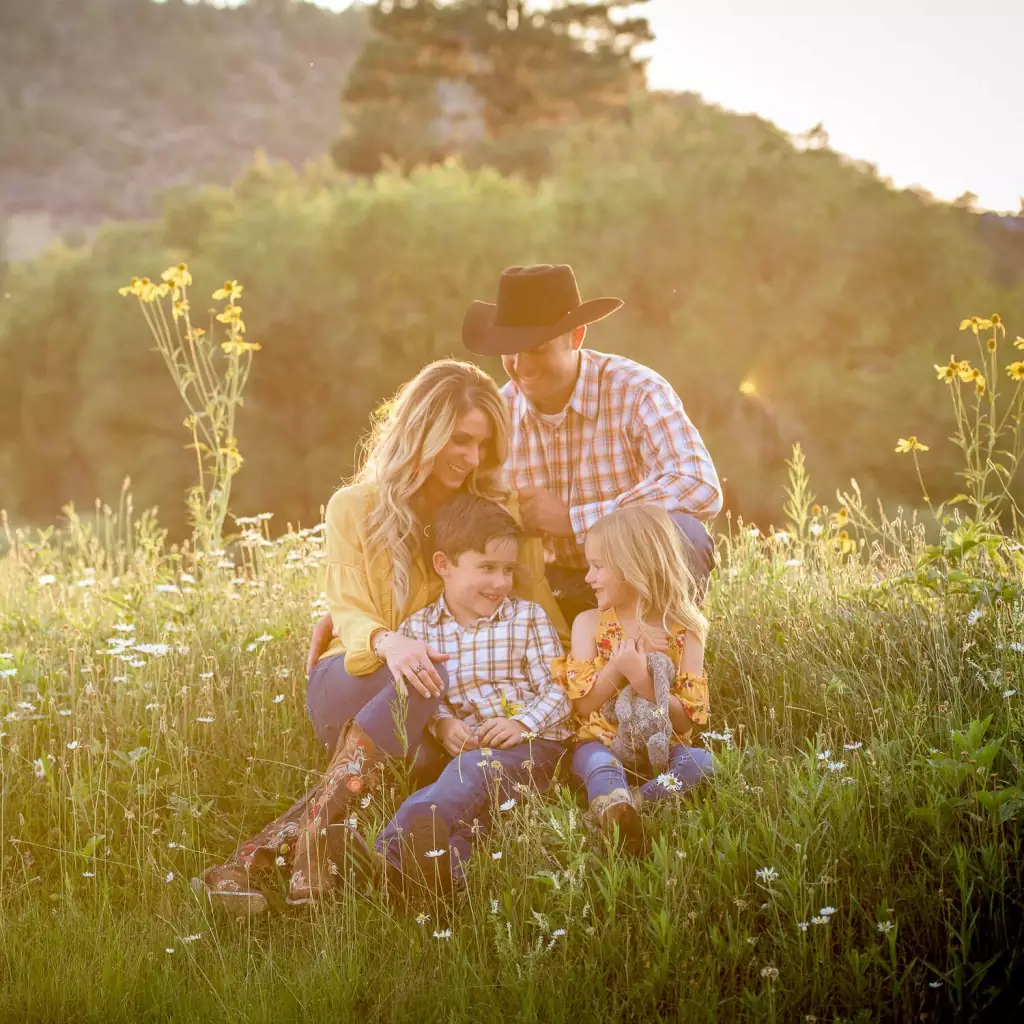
point(426, 860)
point(357, 863)
point(229, 888)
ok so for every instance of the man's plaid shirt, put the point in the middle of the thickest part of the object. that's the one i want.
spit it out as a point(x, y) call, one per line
point(624, 439)
point(499, 666)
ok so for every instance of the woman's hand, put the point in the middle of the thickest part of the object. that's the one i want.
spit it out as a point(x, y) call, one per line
point(323, 633)
point(412, 661)
point(454, 735)
point(653, 639)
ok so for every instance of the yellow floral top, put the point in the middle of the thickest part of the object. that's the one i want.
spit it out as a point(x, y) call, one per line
point(577, 678)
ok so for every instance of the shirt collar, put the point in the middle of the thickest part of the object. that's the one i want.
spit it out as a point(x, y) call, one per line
point(586, 395)
point(440, 613)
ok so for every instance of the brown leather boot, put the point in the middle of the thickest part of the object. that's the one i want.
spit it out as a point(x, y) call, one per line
point(229, 888)
point(348, 774)
point(617, 815)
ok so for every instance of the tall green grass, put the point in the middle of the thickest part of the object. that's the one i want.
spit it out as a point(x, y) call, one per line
point(857, 857)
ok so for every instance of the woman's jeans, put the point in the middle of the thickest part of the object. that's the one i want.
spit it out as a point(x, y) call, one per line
point(603, 773)
point(333, 697)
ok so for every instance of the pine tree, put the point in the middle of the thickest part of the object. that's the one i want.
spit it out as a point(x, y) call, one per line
point(511, 65)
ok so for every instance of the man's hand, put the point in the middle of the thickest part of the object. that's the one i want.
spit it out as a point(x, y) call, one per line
point(454, 735)
point(501, 733)
point(544, 512)
point(323, 633)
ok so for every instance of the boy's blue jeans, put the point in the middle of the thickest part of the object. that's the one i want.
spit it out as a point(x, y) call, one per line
point(602, 772)
point(470, 788)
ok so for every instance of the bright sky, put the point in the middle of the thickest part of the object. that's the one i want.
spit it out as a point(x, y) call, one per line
point(930, 91)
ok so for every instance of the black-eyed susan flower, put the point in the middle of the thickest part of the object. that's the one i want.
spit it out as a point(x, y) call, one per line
point(133, 288)
point(949, 372)
point(976, 377)
point(976, 323)
point(233, 315)
point(178, 276)
point(965, 370)
point(239, 346)
point(1015, 371)
point(910, 444)
point(232, 290)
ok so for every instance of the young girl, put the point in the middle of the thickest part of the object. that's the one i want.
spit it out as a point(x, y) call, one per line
point(645, 603)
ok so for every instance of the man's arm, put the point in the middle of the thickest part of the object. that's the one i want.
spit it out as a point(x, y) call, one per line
point(678, 473)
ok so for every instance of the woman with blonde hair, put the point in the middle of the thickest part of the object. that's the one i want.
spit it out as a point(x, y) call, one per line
point(646, 605)
point(445, 431)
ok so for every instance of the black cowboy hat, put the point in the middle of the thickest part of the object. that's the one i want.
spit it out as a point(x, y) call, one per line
point(535, 304)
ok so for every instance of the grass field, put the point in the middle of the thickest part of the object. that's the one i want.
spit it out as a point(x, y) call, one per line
point(857, 857)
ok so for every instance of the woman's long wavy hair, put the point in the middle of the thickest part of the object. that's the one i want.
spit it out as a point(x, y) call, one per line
point(406, 436)
point(644, 548)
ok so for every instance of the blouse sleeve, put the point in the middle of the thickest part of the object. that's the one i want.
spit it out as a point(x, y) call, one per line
point(351, 603)
point(576, 677)
point(692, 692)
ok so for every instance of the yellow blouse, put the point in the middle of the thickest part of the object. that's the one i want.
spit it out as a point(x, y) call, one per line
point(360, 590)
point(578, 677)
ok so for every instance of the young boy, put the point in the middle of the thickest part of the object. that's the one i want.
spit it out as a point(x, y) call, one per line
point(502, 719)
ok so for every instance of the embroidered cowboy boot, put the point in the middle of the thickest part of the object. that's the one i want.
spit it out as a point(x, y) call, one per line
point(348, 774)
point(234, 886)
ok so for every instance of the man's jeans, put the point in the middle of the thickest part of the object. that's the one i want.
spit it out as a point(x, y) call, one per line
point(469, 790)
point(574, 595)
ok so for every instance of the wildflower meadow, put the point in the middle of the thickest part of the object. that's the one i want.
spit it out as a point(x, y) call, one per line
point(857, 856)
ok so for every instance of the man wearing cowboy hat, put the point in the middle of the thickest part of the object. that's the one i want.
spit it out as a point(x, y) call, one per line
point(590, 431)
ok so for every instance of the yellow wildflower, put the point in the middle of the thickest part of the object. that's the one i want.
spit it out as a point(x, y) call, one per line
point(965, 371)
point(910, 444)
point(996, 319)
point(1015, 371)
point(815, 510)
point(991, 343)
point(181, 307)
point(232, 315)
point(232, 290)
point(978, 379)
point(949, 372)
point(198, 332)
point(239, 346)
point(975, 323)
point(178, 277)
point(1018, 342)
point(841, 517)
point(135, 288)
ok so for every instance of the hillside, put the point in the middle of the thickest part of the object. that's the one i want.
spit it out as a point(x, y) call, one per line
point(103, 103)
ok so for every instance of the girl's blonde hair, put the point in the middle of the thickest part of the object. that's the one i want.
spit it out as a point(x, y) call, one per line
point(405, 437)
point(644, 548)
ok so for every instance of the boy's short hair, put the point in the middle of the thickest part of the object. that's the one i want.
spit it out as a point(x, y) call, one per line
point(469, 523)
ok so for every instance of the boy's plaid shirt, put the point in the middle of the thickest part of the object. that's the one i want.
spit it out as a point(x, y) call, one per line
point(498, 667)
point(624, 439)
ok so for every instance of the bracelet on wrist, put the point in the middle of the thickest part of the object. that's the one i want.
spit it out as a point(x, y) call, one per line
point(377, 640)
